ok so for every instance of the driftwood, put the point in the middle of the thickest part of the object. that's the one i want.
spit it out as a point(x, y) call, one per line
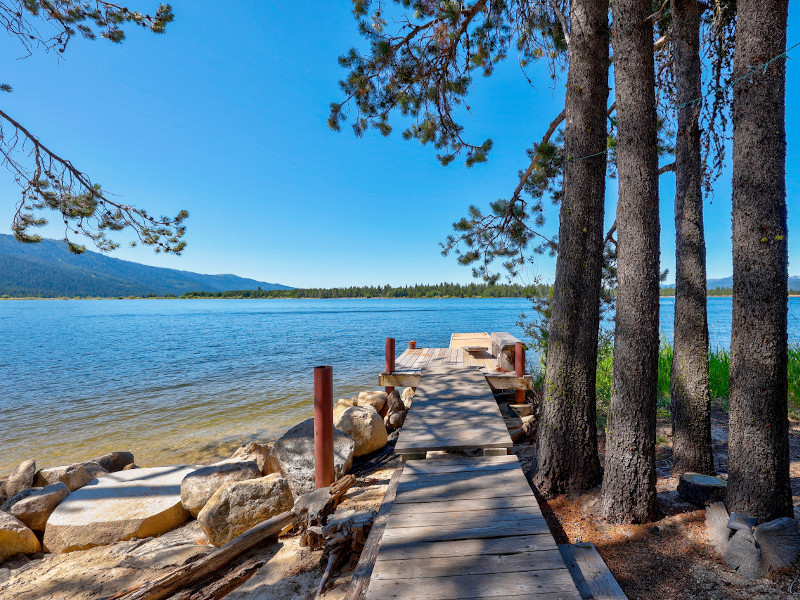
point(366, 562)
point(186, 575)
point(224, 586)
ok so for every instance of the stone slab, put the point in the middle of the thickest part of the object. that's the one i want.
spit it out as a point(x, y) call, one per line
point(135, 503)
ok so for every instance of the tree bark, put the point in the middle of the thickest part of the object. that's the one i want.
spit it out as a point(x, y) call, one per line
point(629, 479)
point(758, 450)
point(567, 454)
point(689, 387)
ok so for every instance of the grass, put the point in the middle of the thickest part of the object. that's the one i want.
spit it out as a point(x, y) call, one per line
point(718, 370)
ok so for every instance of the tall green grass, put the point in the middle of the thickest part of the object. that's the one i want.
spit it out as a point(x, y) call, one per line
point(718, 370)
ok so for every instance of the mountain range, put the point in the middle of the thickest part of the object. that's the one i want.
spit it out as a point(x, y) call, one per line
point(48, 269)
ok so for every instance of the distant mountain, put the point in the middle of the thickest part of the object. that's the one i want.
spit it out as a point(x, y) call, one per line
point(49, 269)
point(727, 282)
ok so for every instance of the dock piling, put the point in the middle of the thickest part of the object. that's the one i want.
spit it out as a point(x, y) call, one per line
point(389, 361)
point(519, 368)
point(323, 426)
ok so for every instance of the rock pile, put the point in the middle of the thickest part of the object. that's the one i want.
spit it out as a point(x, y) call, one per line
point(109, 499)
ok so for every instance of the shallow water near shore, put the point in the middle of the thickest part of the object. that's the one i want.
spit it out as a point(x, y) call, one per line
point(188, 380)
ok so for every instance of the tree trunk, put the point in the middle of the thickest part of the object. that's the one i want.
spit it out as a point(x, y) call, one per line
point(567, 455)
point(689, 388)
point(758, 446)
point(629, 479)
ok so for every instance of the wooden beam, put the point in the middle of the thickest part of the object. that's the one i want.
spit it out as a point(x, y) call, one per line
point(183, 576)
point(498, 381)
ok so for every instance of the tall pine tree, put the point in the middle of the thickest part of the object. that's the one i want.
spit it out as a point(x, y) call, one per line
point(629, 478)
point(758, 445)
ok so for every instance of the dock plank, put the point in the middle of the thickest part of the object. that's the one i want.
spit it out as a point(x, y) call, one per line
point(453, 408)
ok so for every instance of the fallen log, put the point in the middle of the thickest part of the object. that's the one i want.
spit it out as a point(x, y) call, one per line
point(222, 587)
point(186, 575)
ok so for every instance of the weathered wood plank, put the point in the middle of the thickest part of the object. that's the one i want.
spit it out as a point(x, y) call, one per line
point(588, 567)
point(422, 568)
point(462, 531)
point(470, 548)
point(467, 587)
point(446, 465)
point(477, 504)
point(473, 518)
point(451, 483)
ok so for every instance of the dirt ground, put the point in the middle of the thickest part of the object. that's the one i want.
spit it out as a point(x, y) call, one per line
point(671, 558)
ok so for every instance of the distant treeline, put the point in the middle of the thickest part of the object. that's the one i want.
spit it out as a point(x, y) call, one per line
point(441, 290)
point(717, 292)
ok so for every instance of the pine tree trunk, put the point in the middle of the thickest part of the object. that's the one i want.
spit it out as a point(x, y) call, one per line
point(629, 479)
point(758, 446)
point(567, 454)
point(689, 388)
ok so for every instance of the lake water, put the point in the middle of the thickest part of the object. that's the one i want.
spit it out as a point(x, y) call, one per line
point(182, 380)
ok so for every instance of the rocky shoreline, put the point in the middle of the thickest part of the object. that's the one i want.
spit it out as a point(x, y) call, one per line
point(59, 521)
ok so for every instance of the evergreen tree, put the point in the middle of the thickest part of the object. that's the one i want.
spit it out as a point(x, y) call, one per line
point(50, 182)
point(689, 383)
point(629, 478)
point(758, 450)
point(567, 447)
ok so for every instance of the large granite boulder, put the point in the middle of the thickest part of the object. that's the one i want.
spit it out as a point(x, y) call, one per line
point(15, 537)
point(33, 506)
point(260, 453)
point(376, 399)
point(342, 404)
point(114, 461)
point(295, 452)
point(72, 475)
point(135, 503)
point(238, 506)
point(20, 478)
point(365, 426)
point(198, 487)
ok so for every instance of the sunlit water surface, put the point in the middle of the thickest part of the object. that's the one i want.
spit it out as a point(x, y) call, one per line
point(184, 380)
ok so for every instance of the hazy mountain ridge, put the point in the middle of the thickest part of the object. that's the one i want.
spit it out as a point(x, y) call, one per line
point(49, 269)
point(727, 283)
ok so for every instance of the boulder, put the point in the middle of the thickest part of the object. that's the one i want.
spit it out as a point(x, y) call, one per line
point(20, 478)
point(375, 399)
point(407, 395)
point(136, 503)
point(395, 420)
point(365, 426)
point(114, 461)
point(73, 476)
point(700, 489)
point(342, 404)
point(16, 538)
point(131, 466)
point(69, 474)
point(261, 454)
point(238, 506)
point(198, 487)
point(295, 452)
point(33, 506)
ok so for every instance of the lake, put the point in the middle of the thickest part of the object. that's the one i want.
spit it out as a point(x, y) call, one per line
point(184, 380)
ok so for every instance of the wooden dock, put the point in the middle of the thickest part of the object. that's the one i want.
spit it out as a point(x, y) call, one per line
point(463, 528)
point(453, 409)
point(467, 528)
point(489, 353)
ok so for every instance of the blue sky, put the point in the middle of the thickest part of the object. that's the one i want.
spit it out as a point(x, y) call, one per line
point(224, 115)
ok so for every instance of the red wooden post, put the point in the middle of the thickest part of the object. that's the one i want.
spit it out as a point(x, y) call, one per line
point(519, 368)
point(389, 361)
point(323, 426)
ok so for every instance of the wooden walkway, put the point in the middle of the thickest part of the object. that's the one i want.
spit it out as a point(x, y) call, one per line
point(453, 409)
point(468, 528)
